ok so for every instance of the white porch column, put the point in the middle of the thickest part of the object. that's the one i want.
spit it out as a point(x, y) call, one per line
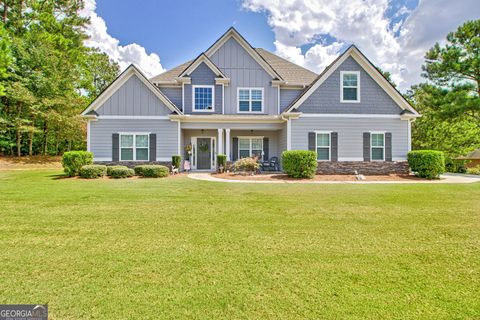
point(220, 141)
point(289, 134)
point(227, 143)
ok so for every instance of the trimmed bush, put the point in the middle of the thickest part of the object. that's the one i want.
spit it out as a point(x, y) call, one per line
point(93, 171)
point(221, 160)
point(110, 168)
point(300, 163)
point(247, 164)
point(151, 171)
point(474, 170)
point(176, 161)
point(120, 172)
point(429, 164)
point(72, 161)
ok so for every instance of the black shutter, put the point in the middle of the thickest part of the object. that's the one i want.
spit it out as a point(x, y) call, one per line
point(265, 149)
point(153, 147)
point(115, 147)
point(334, 146)
point(234, 149)
point(366, 146)
point(388, 146)
point(311, 141)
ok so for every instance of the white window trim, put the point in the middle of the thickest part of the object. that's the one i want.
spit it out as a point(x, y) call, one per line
point(329, 144)
point(342, 73)
point(250, 144)
point(193, 98)
point(250, 99)
point(120, 134)
point(371, 145)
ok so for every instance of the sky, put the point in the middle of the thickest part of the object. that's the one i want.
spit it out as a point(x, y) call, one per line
point(157, 35)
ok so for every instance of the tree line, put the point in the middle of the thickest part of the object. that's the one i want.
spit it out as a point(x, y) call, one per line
point(47, 76)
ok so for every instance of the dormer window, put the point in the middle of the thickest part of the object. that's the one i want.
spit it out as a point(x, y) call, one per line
point(203, 98)
point(349, 86)
point(250, 100)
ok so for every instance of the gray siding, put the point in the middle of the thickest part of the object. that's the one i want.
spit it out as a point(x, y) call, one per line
point(101, 135)
point(133, 98)
point(373, 99)
point(350, 134)
point(174, 94)
point(287, 96)
point(243, 71)
point(202, 75)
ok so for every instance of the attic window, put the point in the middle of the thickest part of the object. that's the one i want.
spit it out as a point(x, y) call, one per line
point(349, 86)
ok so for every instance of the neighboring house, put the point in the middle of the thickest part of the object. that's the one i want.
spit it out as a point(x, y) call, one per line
point(473, 159)
point(242, 101)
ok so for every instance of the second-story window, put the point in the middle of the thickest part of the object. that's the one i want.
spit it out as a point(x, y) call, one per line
point(250, 100)
point(203, 98)
point(350, 86)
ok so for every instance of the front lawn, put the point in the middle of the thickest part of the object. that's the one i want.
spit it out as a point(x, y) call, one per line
point(181, 248)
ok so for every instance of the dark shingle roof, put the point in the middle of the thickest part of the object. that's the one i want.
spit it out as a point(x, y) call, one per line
point(171, 74)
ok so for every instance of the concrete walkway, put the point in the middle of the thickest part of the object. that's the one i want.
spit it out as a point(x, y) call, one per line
point(446, 178)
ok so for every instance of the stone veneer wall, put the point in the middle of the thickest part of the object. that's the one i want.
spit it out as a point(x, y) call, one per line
point(363, 167)
point(132, 164)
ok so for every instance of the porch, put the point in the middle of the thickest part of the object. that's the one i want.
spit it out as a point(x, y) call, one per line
point(205, 143)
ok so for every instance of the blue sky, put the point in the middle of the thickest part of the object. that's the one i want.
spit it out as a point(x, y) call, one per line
point(165, 27)
point(394, 34)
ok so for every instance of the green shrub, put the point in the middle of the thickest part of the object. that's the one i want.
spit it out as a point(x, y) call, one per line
point(151, 171)
point(110, 168)
point(119, 172)
point(247, 164)
point(221, 160)
point(176, 161)
point(455, 165)
point(474, 170)
point(93, 171)
point(72, 161)
point(428, 164)
point(300, 163)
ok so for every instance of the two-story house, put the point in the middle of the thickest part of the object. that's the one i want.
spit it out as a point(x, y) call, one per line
point(242, 101)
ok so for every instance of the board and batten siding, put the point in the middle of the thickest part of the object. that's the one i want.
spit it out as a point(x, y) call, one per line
point(133, 98)
point(287, 96)
point(174, 94)
point(202, 75)
point(244, 71)
point(350, 134)
point(101, 135)
point(373, 99)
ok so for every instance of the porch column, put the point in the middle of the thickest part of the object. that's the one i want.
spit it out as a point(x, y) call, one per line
point(220, 141)
point(227, 143)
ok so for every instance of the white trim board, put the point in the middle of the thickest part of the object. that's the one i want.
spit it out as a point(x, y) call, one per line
point(353, 52)
point(108, 117)
point(232, 33)
point(194, 65)
point(349, 115)
point(121, 79)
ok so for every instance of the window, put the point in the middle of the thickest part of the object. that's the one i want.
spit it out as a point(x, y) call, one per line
point(250, 99)
point(378, 146)
point(203, 98)
point(323, 146)
point(250, 147)
point(350, 86)
point(134, 147)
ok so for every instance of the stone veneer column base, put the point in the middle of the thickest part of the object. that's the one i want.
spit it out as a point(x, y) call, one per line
point(363, 167)
point(132, 164)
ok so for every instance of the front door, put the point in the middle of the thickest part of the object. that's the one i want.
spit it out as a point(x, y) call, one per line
point(204, 152)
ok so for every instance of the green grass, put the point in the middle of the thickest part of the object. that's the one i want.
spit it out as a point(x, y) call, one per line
point(180, 248)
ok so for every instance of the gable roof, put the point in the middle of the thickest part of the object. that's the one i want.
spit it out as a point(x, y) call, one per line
point(118, 82)
point(170, 75)
point(290, 72)
point(367, 65)
point(233, 33)
point(202, 58)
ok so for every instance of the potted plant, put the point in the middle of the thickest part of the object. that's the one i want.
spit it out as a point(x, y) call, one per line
point(221, 162)
point(188, 153)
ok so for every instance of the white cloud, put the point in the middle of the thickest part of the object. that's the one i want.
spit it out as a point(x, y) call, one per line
point(124, 55)
point(397, 48)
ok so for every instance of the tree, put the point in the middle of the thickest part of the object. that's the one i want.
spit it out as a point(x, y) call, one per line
point(456, 66)
point(100, 72)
